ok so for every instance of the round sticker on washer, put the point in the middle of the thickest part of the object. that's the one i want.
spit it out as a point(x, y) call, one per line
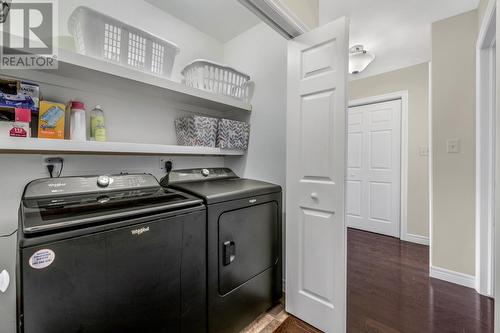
point(42, 258)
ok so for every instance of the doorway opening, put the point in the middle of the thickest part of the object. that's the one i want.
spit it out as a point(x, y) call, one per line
point(388, 284)
point(377, 164)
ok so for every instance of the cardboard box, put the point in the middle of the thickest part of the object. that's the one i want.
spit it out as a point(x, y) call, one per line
point(19, 94)
point(19, 130)
point(9, 129)
point(51, 120)
point(21, 126)
point(22, 115)
point(15, 122)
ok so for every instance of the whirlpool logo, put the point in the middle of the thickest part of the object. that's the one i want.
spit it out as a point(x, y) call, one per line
point(56, 185)
point(138, 232)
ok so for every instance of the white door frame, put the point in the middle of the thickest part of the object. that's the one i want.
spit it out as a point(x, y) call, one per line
point(485, 151)
point(403, 96)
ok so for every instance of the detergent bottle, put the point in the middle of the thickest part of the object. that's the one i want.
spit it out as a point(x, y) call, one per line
point(97, 124)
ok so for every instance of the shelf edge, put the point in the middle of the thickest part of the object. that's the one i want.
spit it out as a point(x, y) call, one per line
point(37, 146)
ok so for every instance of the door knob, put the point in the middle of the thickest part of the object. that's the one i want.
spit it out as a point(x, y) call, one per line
point(314, 196)
point(4, 281)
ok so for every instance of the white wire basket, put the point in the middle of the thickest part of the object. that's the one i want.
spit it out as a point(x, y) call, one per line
point(220, 79)
point(101, 36)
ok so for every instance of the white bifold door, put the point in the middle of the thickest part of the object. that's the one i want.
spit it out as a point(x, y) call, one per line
point(373, 182)
point(316, 131)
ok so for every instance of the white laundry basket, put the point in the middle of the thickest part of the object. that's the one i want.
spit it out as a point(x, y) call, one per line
point(101, 36)
point(220, 79)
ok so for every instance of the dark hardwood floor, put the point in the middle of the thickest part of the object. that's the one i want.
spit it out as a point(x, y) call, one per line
point(389, 290)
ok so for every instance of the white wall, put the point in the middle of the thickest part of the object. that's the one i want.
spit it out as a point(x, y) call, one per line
point(453, 116)
point(262, 53)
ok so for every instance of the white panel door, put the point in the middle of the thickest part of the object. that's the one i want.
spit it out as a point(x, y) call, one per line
point(315, 227)
point(373, 182)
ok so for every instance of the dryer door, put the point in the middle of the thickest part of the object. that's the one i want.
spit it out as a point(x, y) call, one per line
point(248, 244)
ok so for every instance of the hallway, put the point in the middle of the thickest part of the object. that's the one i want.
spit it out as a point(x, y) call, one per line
point(389, 290)
point(395, 295)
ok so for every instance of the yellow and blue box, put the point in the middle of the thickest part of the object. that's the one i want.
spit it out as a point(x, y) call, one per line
point(51, 120)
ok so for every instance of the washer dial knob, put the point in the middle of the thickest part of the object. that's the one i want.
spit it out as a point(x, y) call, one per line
point(103, 181)
point(205, 172)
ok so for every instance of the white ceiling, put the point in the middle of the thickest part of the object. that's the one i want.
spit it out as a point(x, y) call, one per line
point(221, 19)
point(398, 32)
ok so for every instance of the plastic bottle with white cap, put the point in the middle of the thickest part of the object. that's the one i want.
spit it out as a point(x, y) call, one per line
point(78, 127)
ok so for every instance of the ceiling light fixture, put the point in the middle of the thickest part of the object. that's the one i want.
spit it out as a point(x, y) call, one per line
point(359, 59)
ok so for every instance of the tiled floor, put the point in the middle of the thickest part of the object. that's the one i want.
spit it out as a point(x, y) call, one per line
point(268, 322)
point(390, 291)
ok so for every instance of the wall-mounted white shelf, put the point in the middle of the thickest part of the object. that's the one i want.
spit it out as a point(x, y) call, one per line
point(75, 65)
point(37, 146)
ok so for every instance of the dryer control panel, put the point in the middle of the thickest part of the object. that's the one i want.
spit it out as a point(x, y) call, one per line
point(201, 174)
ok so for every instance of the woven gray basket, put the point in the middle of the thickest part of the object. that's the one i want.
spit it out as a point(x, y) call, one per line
point(196, 131)
point(233, 134)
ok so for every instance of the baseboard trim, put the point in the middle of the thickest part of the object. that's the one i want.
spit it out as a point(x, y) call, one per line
point(416, 239)
point(444, 274)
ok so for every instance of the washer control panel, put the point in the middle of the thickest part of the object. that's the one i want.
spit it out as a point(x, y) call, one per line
point(88, 184)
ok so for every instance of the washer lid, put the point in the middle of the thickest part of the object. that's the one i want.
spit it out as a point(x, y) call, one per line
point(220, 190)
point(70, 202)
